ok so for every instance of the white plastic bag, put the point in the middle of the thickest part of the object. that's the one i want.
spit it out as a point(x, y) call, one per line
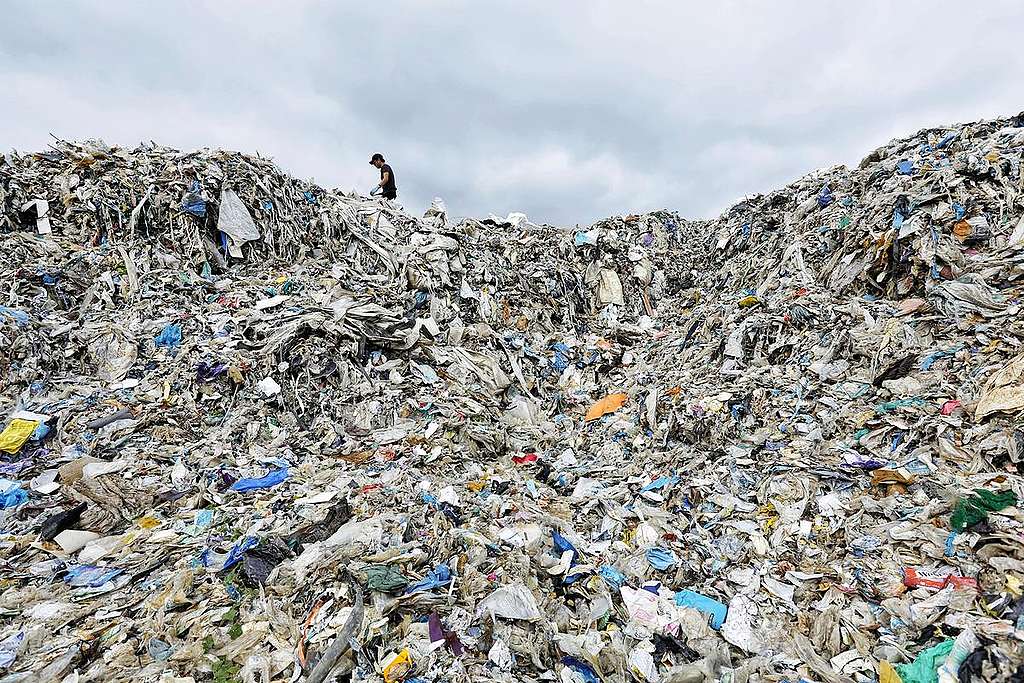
point(514, 601)
point(234, 219)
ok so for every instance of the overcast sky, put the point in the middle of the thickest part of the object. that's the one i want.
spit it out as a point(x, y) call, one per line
point(567, 111)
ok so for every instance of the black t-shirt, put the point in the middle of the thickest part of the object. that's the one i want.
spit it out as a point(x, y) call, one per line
point(390, 190)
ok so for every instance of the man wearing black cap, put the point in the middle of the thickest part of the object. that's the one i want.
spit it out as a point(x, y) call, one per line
point(387, 178)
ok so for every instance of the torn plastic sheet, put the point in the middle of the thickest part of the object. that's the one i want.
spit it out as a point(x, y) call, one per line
point(88, 576)
point(739, 627)
point(219, 562)
point(11, 493)
point(10, 647)
point(925, 667)
point(512, 601)
point(234, 219)
point(1003, 391)
point(715, 610)
point(20, 318)
point(660, 483)
point(972, 509)
point(661, 558)
point(439, 576)
point(193, 202)
point(272, 478)
point(169, 337)
point(582, 669)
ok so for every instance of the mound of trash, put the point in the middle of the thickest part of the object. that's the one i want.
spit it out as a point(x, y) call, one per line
point(259, 430)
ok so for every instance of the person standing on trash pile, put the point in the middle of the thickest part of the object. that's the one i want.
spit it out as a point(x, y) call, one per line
point(387, 186)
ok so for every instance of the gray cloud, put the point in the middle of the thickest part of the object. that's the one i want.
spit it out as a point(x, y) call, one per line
point(567, 111)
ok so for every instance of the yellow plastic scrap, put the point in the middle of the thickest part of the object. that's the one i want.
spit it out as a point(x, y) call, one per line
point(608, 404)
point(398, 667)
point(149, 523)
point(887, 674)
point(862, 419)
point(748, 301)
point(16, 434)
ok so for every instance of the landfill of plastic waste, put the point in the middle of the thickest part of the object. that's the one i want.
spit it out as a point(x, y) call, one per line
point(258, 430)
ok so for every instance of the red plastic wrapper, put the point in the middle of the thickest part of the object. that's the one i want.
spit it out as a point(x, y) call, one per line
point(949, 406)
point(912, 579)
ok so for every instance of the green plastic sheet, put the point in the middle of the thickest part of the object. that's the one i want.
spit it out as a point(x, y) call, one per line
point(974, 508)
point(925, 669)
point(385, 578)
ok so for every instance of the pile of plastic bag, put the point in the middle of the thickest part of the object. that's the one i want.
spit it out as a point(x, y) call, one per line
point(258, 430)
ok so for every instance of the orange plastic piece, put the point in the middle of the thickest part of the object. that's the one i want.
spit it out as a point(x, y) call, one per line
point(608, 404)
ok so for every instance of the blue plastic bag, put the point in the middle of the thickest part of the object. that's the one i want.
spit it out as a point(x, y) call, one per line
point(86, 575)
point(612, 576)
point(441, 576)
point(660, 558)
point(905, 167)
point(224, 561)
point(825, 197)
point(661, 482)
point(11, 493)
point(562, 544)
point(42, 430)
point(193, 202)
point(703, 603)
point(584, 670)
point(20, 318)
point(10, 647)
point(169, 337)
point(272, 478)
point(561, 359)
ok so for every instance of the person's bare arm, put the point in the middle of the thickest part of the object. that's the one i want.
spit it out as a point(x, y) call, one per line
point(385, 179)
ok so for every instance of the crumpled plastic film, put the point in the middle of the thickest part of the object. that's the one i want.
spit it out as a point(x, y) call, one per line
point(256, 429)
